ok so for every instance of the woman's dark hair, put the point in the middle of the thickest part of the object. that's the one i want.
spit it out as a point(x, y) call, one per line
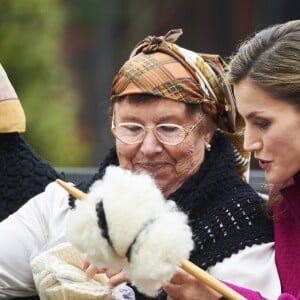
point(271, 60)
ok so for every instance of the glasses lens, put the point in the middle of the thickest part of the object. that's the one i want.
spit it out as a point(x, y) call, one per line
point(133, 133)
point(170, 134)
point(130, 133)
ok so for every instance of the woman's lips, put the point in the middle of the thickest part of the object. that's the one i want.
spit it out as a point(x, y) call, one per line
point(151, 167)
point(264, 164)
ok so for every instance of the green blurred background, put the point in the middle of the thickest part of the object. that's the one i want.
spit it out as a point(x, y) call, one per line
point(61, 56)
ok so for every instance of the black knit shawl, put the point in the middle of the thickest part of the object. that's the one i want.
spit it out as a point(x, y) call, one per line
point(23, 173)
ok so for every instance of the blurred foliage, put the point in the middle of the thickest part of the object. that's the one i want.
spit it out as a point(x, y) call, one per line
point(31, 34)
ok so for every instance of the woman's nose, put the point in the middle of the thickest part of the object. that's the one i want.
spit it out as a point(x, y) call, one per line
point(252, 141)
point(151, 145)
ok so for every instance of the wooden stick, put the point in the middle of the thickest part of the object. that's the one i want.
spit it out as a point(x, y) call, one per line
point(210, 281)
point(186, 265)
point(73, 191)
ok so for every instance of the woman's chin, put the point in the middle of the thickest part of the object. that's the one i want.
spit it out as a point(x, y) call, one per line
point(272, 178)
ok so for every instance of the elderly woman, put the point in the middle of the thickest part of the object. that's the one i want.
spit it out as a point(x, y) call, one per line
point(174, 118)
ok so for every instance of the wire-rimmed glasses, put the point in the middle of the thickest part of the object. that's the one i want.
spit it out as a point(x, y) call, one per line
point(134, 133)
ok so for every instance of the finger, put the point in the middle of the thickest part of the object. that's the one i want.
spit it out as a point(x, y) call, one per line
point(173, 290)
point(85, 263)
point(117, 279)
point(109, 273)
point(171, 298)
point(91, 271)
point(180, 276)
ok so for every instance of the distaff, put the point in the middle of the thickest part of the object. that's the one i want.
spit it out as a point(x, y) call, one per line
point(185, 264)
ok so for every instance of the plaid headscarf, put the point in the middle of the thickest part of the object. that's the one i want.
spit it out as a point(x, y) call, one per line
point(12, 117)
point(161, 68)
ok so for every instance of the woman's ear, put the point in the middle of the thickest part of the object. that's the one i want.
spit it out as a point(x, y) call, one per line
point(209, 127)
point(208, 136)
point(209, 108)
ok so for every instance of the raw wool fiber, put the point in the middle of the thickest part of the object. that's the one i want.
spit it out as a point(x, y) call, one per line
point(84, 233)
point(130, 202)
point(158, 250)
point(141, 225)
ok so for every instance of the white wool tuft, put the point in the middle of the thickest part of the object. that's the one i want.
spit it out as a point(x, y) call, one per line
point(161, 246)
point(84, 233)
point(130, 200)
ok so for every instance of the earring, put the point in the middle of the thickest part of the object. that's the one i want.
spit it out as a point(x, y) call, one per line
point(207, 146)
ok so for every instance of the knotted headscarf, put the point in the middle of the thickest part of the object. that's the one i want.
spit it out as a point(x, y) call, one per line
point(12, 117)
point(159, 67)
